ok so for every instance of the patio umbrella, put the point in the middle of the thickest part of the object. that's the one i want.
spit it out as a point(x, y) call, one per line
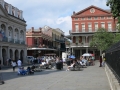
point(72, 56)
point(86, 54)
point(92, 55)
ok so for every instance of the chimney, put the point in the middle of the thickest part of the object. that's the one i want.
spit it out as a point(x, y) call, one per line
point(73, 12)
point(32, 28)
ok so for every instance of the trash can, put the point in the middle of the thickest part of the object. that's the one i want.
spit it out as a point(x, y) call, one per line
point(58, 65)
point(68, 62)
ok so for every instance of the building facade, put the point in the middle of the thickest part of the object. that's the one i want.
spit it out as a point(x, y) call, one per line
point(84, 24)
point(44, 41)
point(12, 33)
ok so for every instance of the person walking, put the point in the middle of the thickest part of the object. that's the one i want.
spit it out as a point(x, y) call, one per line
point(14, 65)
point(19, 63)
point(100, 61)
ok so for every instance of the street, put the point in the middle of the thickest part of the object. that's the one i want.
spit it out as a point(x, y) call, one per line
point(91, 78)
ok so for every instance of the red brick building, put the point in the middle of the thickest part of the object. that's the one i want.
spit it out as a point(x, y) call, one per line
point(44, 41)
point(84, 24)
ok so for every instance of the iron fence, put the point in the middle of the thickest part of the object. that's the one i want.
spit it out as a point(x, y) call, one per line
point(113, 59)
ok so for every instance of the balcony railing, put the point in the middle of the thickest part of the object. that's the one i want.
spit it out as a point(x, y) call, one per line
point(17, 41)
point(22, 42)
point(5, 39)
point(78, 45)
point(61, 41)
point(11, 40)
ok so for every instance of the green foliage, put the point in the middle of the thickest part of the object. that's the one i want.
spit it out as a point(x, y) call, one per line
point(116, 38)
point(102, 39)
point(115, 9)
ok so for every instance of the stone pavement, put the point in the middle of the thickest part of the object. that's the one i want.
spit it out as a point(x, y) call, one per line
point(91, 78)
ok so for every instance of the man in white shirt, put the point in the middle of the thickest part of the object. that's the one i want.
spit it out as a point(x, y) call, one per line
point(64, 59)
point(19, 63)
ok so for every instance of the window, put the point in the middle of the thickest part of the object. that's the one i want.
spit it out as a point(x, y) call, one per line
point(109, 17)
point(83, 27)
point(76, 27)
point(96, 26)
point(89, 18)
point(76, 18)
point(102, 17)
point(82, 18)
point(90, 27)
point(95, 18)
point(109, 27)
point(102, 25)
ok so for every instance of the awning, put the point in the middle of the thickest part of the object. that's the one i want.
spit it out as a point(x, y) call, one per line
point(51, 54)
point(41, 49)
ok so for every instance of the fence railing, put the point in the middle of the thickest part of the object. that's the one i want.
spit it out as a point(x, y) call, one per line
point(113, 59)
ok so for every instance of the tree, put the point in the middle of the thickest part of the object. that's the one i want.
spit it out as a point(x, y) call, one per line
point(115, 10)
point(102, 39)
point(116, 38)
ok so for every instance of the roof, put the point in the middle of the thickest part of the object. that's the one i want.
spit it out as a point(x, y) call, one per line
point(106, 11)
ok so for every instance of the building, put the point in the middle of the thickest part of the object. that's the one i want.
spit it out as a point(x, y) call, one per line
point(12, 33)
point(84, 24)
point(45, 41)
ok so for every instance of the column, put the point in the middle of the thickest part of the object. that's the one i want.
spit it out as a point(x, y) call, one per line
point(19, 53)
point(80, 52)
point(8, 53)
point(13, 57)
point(25, 55)
point(1, 55)
point(86, 41)
point(41, 40)
point(6, 32)
point(25, 36)
point(86, 49)
point(72, 51)
point(13, 34)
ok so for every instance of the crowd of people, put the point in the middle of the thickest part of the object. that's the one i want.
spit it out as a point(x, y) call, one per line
point(55, 62)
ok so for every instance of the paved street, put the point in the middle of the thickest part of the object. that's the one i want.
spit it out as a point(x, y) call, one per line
point(91, 78)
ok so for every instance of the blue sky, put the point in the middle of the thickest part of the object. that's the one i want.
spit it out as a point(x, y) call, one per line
point(53, 13)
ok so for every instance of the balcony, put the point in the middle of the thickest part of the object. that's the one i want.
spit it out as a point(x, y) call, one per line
point(60, 41)
point(11, 40)
point(82, 31)
point(17, 41)
point(78, 45)
point(22, 42)
point(4, 39)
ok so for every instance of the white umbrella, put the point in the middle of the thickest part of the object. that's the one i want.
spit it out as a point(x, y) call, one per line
point(86, 54)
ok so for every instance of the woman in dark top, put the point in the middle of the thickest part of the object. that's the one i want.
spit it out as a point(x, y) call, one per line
point(100, 61)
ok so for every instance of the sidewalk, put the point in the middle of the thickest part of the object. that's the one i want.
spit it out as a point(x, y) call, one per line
point(91, 78)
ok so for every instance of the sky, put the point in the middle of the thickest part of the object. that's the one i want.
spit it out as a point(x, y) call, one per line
point(53, 13)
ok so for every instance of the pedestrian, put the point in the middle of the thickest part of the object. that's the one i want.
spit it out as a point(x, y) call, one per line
point(0, 64)
point(14, 65)
point(19, 63)
point(10, 61)
point(100, 59)
point(103, 62)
